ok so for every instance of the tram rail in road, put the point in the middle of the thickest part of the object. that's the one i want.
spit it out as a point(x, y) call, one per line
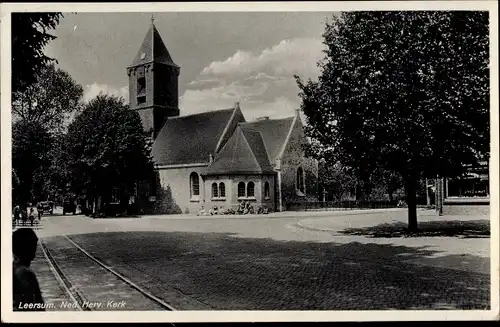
point(77, 296)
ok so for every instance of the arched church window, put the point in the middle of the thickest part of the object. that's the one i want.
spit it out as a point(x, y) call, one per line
point(215, 190)
point(241, 189)
point(300, 180)
point(222, 190)
point(195, 184)
point(266, 190)
point(250, 189)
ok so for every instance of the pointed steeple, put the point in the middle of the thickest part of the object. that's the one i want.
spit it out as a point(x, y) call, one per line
point(153, 49)
point(154, 83)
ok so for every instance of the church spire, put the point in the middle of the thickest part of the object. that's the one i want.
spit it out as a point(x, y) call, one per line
point(153, 83)
point(153, 49)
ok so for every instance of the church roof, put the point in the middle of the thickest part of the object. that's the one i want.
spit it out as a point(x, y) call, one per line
point(244, 153)
point(274, 133)
point(153, 50)
point(190, 139)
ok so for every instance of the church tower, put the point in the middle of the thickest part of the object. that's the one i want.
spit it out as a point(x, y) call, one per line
point(153, 83)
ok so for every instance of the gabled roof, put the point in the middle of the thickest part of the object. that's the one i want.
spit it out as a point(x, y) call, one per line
point(274, 133)
point(190, 139)
point(153, 50)
point(244, 153)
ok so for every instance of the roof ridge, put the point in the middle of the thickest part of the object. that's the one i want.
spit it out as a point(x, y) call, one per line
point(287, 139)
point(235, 147)
point(266, 150)
point(251, 149)
point(270, 119)
point(226, 129)
point(201, 113)
point(263, 143)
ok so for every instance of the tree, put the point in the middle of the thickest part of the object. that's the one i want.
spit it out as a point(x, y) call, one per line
point(388, 181)
point(336, 179)
point(49, 100)
point(404, 91)
point(29, 38)
point(30, 142)
point(40, 113)
point(107, 148)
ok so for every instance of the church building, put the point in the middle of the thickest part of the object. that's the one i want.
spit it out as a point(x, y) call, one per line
point(215, 158)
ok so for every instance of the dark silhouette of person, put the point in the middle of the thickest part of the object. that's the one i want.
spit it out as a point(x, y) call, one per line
point(26, 290)
point(17, 214)
point(32, 215)
point(24, 216)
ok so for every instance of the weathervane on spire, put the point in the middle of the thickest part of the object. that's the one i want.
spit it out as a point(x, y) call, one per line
point(152, 19)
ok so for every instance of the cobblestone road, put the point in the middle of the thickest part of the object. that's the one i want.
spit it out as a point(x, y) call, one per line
point(266, 264)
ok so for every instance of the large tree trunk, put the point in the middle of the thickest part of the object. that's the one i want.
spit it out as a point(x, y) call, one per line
point(411, 201)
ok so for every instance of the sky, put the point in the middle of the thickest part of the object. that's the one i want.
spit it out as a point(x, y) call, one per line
point(225, 57)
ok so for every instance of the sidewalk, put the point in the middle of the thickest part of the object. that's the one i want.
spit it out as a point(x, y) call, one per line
point(465, 254)
point(341, 222)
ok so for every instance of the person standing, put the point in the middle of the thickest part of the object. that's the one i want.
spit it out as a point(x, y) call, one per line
point(26, 290)
point(17, 214)
point(24, 215)
point(32, 214)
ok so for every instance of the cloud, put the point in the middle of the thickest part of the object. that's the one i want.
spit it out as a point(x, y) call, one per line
point(262, 82)
point(295, 56)
point(92, 90)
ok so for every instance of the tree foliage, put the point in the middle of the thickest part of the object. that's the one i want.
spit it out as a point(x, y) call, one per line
point(49, 100)
point(107, 148)
point(30, 35)
point(39, 114)
point(30, 142)
point(336, 179)
point(405, 91)
point(386, 181)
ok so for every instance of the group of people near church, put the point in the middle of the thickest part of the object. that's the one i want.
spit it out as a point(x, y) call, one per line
point(22, 215)
point(244, 208)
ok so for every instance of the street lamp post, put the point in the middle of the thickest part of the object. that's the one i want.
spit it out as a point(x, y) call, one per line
point(428, 196)
point(439, 196)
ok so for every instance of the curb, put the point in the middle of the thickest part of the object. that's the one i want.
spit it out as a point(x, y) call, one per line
point(315, 229)
point(283, 214)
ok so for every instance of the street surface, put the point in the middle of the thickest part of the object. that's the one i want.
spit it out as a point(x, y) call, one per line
point(277, 262)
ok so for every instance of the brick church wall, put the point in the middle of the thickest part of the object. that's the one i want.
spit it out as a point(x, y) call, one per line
point(293, 158)
point(177, 179)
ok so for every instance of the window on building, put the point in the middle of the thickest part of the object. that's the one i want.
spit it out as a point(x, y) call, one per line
point(195, 184)
point(222, 190)
point(141, 90)
point(250, 189)
point(141, 86)
point(300, 180)
point(115, 195)
point(241, 189)
point(266, 190)
point(215, 190)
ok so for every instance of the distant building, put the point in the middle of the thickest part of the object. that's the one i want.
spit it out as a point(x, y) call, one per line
point(215, 158)
point(474, 184)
